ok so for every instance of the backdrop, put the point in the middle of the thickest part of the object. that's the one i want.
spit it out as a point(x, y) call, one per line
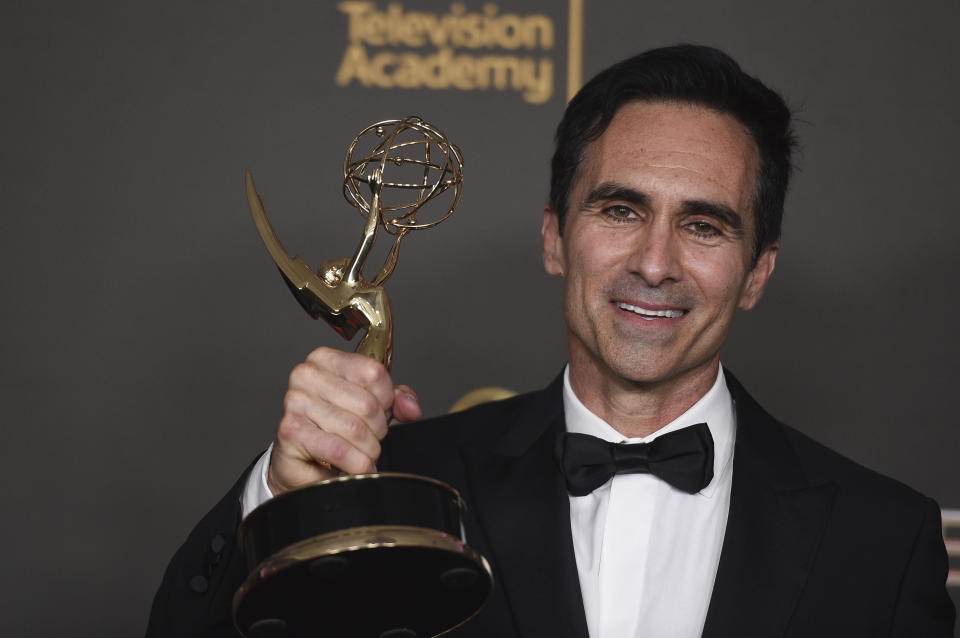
point(147, 336)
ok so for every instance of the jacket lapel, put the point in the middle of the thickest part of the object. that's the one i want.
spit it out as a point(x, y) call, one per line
point(521, 500)
point(773, 529)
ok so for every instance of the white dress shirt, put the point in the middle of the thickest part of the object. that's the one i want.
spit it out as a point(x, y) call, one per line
point(646, 553)
point(255, 490)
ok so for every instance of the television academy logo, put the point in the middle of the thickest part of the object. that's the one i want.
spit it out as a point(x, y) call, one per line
point(460, 49)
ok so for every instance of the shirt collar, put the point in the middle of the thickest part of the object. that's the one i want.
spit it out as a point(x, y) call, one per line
point(715, 408)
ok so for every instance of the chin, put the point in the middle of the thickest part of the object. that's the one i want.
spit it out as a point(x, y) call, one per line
point(643, 368)
point(640, 369)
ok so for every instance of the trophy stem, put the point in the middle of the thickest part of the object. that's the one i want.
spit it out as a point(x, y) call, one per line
point(354, 272)
point(391, 261)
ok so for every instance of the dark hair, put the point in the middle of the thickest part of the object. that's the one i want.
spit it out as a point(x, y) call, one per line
point(692, 74)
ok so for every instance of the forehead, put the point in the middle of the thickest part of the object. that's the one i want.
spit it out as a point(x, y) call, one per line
point(674, 150)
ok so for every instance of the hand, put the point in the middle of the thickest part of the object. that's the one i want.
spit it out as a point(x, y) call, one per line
point(335, 413)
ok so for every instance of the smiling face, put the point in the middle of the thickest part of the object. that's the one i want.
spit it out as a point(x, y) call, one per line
point(656, 248)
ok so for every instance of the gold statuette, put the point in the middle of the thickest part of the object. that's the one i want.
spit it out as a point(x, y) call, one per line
point(428, 167)
point(370, 555)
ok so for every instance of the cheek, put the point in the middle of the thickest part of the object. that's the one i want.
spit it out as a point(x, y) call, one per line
point(580, 263)
point(721, 278)
point(575, 288)
point(584, 281)
point(599, 253)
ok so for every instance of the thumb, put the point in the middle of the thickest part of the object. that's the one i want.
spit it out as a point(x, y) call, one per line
point(406, 404)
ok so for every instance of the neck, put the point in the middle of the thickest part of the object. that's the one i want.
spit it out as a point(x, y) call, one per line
point(638, 408)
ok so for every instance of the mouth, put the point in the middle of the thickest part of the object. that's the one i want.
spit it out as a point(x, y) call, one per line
point(650, 314)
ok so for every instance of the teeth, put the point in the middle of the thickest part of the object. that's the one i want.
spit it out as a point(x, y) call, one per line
point(650, 315)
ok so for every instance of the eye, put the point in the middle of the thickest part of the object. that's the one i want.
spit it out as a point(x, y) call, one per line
point(619, 213)
point(704, 230)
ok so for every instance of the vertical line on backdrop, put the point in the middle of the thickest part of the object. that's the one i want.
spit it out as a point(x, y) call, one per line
point(951, 538)
point(574, 48)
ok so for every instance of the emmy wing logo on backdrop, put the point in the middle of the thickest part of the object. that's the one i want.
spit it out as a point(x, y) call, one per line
point(397, 46)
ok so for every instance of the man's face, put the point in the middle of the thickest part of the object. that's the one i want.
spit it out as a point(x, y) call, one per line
point(657, 242)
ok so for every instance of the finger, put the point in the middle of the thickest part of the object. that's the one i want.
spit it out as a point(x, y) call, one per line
point(289, 469)
point(323, 415)
point(320, 385)
point(358, 369)
point(406, 404)
point(300, 441)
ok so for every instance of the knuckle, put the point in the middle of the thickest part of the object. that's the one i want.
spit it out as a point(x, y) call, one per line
point(300, 374)
point(370, 371)
point(322, 353)
point(325, 358)
point(287, 431)
point(292, 401)
point(368, 406)
point(354, 428)
point(382, 429)
point(337, 451)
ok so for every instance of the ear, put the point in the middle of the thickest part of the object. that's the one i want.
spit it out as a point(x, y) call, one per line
point(758, 277)
point(553, 259)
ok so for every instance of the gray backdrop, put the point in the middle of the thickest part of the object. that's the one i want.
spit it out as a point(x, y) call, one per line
point(147, 336)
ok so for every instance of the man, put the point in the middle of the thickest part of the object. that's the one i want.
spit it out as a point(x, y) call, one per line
point(666, 197)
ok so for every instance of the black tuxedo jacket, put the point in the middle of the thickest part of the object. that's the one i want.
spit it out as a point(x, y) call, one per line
point(815, 544)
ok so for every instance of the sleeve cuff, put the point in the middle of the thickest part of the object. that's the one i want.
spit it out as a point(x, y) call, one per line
point(255, 491)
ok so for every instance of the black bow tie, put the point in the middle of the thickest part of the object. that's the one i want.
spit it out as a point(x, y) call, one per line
point(682, 458)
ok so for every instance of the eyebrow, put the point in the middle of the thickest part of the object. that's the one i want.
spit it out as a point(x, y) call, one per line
point(612, 191)
point(724, 213)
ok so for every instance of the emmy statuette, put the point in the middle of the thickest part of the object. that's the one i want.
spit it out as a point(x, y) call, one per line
point(371, 555)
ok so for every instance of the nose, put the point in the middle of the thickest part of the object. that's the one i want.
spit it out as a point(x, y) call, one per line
point(655, 257)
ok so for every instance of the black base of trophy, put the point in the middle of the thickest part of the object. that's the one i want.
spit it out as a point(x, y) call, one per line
point(369, 556)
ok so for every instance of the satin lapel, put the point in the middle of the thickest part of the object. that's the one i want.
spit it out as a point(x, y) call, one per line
point(520, 497)
point(773, 530)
